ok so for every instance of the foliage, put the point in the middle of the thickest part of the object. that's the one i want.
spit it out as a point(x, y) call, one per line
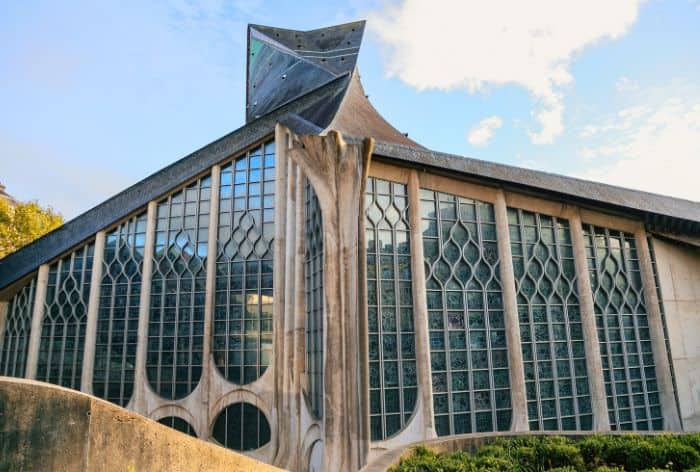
point(596, 453)
point(22, 223)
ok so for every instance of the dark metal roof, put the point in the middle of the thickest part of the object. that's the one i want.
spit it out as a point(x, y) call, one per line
point(285, 64)
point(658, 211)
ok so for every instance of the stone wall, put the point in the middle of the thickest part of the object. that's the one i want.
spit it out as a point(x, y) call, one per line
point(678, 267)
point(45, 427)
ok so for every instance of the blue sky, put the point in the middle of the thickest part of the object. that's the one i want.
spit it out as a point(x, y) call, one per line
point(96, 96)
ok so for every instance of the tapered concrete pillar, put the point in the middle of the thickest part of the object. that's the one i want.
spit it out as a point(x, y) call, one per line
point(518, 396)
point(335, 170)
point(92, 312)
point(282, 139)
point(138, 402)
point(594, 361)
point(210, 290)
point(296, 329)
point(656, 331)
point(37, 319)
point(420, 308)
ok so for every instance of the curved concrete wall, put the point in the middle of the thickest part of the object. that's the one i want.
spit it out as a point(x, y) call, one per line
point(45, 427)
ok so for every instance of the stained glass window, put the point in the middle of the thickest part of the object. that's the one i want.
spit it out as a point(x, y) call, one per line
point(17, 327)
point(392, 346)
point(313, 272)
point(242, 427)
point(242, 334)
point(65, 319)
point(179, 424)
point(468, 352)
point(176, 324)
point(118, 313)
point(623, 330)
point(551, 332)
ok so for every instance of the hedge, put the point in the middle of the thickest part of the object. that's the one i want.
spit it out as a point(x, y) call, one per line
point(596, 453)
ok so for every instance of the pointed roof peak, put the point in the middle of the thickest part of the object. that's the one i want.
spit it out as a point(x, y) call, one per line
point(284, 64)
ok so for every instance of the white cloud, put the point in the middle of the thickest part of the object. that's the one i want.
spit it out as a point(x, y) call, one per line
point(481, 133)
point(625, 84)
point(653, 147)
point(471, 44)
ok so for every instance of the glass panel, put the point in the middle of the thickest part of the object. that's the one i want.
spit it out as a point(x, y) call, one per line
point(17, 327)
point(467, 336)
point(313, 262)
point(65, 319)
point(393, 357)
point(178, 424)
point(548, 305)
point(241, 427)
point(622, 323)
point(244, 265)
point(118, 313)
point(176, 323)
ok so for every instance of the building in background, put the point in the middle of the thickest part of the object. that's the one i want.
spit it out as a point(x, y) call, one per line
point(315, 288)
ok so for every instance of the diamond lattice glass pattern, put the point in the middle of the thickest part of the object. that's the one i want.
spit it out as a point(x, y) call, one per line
point(65, 319)
point(176, 324)
point(17, 327)
point(623, 330)
point(313, 269)
point(241, 427)
point(468, 352)
point(242, 334)
point(554, 360)
point(392, 346)
point(118, 314)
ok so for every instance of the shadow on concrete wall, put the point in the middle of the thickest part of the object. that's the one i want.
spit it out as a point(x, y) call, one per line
point(45, 427)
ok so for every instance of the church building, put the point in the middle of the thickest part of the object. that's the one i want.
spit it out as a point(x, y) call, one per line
point(315, 288)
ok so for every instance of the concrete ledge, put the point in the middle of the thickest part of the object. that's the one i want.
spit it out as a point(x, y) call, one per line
point(46, 427)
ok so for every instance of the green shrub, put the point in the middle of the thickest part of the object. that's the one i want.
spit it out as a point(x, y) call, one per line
point(598, 453)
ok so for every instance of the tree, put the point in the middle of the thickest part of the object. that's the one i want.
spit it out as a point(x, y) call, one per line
point(22, 223)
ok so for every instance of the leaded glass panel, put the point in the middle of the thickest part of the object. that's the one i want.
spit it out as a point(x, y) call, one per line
point(393, 384)
point(242, 332)
point(178, 424)
point(178, 286)
point(313, 273)
point(17, 327)
point(556, 377)
point(468, 351)
point(65, 319)
point(623, 330)
point(118, 313)
point(241, 427)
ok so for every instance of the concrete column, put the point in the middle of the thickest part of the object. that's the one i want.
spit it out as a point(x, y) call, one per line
point(335, 170)
point(4, 306)
point(92, 312)
point(518, 396)
point(296, 337)
point(140, 379)
point(362, 314)
point(282, 139)
point(420, 308)
point(594, 362)
point(42, 280)
point(210, 289)
point(663, 369)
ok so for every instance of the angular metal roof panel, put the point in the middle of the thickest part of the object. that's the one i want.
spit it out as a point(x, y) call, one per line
point(285, 64)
